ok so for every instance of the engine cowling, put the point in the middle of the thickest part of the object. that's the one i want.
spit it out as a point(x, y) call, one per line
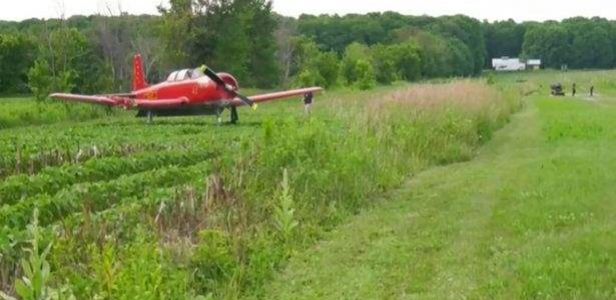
point(229, 79)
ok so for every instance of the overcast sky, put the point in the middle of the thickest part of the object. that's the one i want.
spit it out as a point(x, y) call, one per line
point(520, 10)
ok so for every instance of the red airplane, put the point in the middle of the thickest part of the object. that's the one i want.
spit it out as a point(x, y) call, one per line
point(199, 91)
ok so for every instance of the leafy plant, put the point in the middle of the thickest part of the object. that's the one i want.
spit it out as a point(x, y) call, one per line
point(284, 212)
point(33, 285)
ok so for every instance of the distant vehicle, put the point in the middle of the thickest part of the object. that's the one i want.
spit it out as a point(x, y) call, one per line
point(557, 89)
point(199, 91)
point(508, 64)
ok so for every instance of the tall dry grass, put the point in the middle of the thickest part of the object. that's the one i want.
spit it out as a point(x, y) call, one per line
point(469, 95)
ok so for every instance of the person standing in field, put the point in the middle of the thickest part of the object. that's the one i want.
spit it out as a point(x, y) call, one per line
point(308, 98)
point(592, 91)
point(573, 90)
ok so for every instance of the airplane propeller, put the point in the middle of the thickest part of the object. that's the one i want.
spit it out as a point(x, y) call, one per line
point(212, 75)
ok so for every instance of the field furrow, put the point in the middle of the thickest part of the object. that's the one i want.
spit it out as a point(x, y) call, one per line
point(95, 196)
point(51, 180)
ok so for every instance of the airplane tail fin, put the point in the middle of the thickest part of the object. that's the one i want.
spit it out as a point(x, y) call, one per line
point(139, 81)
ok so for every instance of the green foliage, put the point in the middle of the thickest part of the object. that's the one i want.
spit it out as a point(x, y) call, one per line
point(408, 61)
point(386, 66)
point(66, 63)
point(214, 262)
point(310, 78)
point(460, 59)
point(265, 71)
point(357, 66)
point(316, 68)
point(397, 62)
point(364, 75)
point(176, 33)
point(51, 180)
point(439, 56)
point(284, 213)
point(590, 43)
point(16, 56)
point(328, 66)
point(19, 112)
point(233, 36)
point(34, 284)
point(43, 81)
point(240, 36)
point(138, 270)
point(548, 42)
point(503, 38)
point(467, 36)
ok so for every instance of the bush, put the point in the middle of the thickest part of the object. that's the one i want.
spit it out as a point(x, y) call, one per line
point(366, 78)
point(357, 67)
point(310, 78)
point(42, 82)
point(316, 67)
point(328, 67)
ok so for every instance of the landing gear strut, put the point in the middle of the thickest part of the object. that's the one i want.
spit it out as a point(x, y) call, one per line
point(219, 115)
point(234, 116)
point(150, 117)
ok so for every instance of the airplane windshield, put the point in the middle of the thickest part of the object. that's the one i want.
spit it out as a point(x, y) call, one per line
point(197, 73)
point(172, 76)
point(185, 74)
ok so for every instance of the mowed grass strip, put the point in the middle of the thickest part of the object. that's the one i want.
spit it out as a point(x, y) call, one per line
point(531, 217)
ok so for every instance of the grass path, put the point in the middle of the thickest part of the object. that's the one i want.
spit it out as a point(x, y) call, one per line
point(531, 217)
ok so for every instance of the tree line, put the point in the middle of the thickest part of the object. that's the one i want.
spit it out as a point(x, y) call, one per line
point(92, 54)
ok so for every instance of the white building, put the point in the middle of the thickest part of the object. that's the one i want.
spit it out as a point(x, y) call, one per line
point(504, 64)
point(533, 64)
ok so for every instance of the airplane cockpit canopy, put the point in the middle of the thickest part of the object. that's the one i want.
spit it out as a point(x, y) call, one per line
point(185, 74)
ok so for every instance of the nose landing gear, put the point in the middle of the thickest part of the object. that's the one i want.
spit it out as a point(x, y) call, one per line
point(234, 115)
point(233, 112)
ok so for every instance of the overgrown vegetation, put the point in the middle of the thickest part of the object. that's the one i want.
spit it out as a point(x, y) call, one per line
point(220, 216)
point(531, 217)
point(15, 112)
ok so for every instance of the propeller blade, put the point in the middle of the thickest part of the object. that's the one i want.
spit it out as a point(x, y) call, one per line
point(212, 75)
point(246, 100)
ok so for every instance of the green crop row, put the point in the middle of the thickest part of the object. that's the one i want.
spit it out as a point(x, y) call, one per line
point(30, 158)
point(51, 180)
point(95, 196)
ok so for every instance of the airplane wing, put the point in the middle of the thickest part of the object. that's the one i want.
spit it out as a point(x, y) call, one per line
point(277, 96)
point(125, 102)
point(99, 100)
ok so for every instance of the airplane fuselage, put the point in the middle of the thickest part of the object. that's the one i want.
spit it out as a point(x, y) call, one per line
point(199, 91)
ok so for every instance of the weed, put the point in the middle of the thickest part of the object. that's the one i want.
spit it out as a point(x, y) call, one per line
point(284, 212)
point(34, 284)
